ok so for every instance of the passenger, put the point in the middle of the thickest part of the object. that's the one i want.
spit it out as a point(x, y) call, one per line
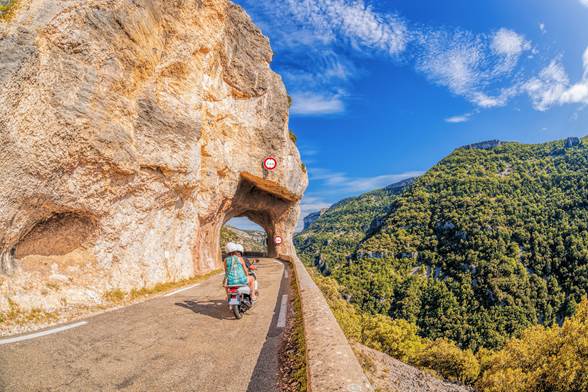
point(236, 271)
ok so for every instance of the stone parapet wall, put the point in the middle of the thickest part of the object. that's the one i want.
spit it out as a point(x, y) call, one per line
point(330, 362)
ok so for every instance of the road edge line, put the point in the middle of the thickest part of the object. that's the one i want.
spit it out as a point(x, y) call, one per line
point(42, 333)
point(180, 290)
point(283, 311)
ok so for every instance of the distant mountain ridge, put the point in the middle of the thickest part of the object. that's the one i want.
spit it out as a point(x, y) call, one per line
point(492, 239)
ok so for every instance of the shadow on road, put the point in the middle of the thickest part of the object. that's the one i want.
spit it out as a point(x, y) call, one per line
point(215, 308)
point(265, 374)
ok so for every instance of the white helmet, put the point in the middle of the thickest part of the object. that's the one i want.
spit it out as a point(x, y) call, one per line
point(232, 247)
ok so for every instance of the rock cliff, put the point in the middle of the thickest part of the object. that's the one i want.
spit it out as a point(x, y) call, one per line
point(130, 131)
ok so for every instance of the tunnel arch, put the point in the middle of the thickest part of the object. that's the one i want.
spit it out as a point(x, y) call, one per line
point(262, 201)
point(270, 210)
point(247, 233)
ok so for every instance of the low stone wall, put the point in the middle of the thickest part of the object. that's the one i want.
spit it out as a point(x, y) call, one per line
point(330, 362)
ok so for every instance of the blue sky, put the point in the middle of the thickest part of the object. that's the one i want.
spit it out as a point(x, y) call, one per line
point(383, 90)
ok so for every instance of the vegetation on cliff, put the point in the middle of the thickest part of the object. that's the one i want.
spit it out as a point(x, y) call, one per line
point(7, 9)
point(490, 244)
point(543, 359)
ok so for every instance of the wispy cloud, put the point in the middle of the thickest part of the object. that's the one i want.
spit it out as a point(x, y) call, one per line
point(342, 184)
point(337, 185)
point(310, 104)
point(354, 21)
point(553, 87)
point(458, 119)
point(470, 64)
point(584, 2)
point(319, 40)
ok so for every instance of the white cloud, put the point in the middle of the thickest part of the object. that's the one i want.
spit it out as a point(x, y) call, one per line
point(469, 64)
point(458, 119)
point(508, 43)
point(543, 28)
point(342, 185)
point(500, 99)
point(584, 2)
point(309, 103)
point(316, 37)
point(552, 86)
point(353, 20)
point(337, 186)
point(368, 183)
point(451, 60)
point(546, 89)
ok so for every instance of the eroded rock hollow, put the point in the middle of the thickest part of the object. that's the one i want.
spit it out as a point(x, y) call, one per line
point(129, 133)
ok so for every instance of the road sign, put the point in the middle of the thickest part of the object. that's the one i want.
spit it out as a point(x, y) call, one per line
point(270, 163)
point(277, 240)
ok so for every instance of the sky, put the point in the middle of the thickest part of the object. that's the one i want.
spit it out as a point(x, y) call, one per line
point(383, 90)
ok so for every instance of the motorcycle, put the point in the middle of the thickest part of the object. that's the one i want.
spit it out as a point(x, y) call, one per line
point(239, 298)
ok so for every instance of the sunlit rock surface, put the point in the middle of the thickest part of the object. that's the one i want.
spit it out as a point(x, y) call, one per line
point(129, 133)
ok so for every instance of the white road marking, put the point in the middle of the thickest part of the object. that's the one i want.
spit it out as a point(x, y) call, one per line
point(286, 274)
point(180, 290)
point(283, 310)
point(43, 333)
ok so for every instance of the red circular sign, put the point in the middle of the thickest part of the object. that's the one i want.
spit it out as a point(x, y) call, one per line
point(278, 240)
point(270, 163)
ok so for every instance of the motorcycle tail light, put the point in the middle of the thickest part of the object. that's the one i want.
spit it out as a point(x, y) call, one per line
point(232, 289)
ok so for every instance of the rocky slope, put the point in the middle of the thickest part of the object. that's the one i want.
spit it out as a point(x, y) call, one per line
point(391, 375)
point(129, 133)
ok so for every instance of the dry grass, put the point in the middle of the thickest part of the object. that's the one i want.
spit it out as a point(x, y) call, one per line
point(17, 316)
point(293, 376)
point(162, 287)
point(116, 297)
point(8, 11)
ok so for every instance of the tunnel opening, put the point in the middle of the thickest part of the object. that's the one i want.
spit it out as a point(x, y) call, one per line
point(265, 209)
point(242, 230)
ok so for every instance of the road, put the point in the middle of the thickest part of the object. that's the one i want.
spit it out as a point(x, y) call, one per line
point(188, 341)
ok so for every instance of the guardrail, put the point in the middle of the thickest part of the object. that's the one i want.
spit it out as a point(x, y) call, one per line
point(330, 362)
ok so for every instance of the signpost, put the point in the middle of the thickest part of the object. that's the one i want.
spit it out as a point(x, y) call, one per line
point(270, 163)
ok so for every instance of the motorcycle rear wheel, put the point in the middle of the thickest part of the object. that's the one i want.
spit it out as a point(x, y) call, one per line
point(236, 311)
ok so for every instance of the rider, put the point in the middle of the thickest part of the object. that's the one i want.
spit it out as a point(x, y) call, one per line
point(236, 271)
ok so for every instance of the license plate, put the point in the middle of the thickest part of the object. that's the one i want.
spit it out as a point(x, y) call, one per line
point(234, 301)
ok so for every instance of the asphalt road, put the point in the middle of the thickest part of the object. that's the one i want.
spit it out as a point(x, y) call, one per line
point(189, 341)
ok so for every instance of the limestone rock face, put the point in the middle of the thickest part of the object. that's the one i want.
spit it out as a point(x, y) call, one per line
point(129, 133)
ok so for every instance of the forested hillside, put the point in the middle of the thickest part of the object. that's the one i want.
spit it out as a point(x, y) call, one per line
point(339, 230)
point(252, 240)
point(491, 240)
